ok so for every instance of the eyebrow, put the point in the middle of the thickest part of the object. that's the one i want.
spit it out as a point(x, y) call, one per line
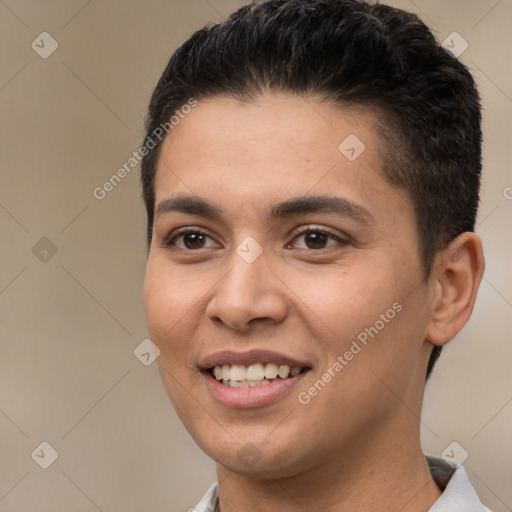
point(326, 204)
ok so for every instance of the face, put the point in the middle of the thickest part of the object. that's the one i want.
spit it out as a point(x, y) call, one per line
point(284, 287)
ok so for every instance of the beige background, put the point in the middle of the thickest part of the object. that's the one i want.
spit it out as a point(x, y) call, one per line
point(69, 325)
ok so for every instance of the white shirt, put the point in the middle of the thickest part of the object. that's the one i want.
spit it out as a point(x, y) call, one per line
point(458, 493)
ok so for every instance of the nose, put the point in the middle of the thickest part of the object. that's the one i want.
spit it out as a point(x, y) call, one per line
point(248, 294)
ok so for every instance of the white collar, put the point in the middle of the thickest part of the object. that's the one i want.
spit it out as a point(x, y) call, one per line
point(458, 493)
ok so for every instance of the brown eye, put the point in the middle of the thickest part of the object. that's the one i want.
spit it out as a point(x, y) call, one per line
point(189, 239)
point(193, 240)
point(315, 240)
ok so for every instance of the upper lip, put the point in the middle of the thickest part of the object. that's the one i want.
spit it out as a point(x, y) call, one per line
point(250, 357)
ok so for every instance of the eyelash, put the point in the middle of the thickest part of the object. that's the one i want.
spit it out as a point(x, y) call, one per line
point(322, 231)
point(170, 241)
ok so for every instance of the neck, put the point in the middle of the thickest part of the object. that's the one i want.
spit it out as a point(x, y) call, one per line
point(397, 478)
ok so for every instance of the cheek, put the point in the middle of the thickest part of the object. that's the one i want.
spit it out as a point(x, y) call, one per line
point(169, 305)
point(170, 316)
point(346, 302)
point(370, 319)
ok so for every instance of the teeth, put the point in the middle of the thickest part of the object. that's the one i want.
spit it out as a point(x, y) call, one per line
point(238, 372)
point(258, 374)
point(271, 371)
point(236, 384)
point(255, 372)
point(294, 371)
point(284, 371)
point(246, 383)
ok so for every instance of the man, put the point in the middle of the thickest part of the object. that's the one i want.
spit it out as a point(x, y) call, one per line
point(311, 180)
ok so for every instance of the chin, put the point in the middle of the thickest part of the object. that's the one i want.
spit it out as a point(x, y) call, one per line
point(268, 459)
point(264, 468)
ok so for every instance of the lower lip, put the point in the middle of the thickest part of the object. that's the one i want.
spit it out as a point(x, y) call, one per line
point(256, 396)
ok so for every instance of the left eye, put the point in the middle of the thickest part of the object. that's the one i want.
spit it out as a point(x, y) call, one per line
point(318, 239)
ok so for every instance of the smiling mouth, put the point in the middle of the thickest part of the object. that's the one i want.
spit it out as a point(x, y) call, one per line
point(259, 374)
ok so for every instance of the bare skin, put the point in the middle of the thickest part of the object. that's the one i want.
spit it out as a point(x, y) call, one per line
point(355, 444)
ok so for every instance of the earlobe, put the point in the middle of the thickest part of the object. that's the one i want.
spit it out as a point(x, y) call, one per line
point(457, 275)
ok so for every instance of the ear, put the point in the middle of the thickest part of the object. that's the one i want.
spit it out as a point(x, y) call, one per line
point(455, 281)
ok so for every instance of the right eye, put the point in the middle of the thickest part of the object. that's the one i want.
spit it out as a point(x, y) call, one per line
point(188, 239)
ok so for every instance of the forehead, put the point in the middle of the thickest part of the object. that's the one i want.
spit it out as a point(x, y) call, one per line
point(271, 128)
point(279, 146)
